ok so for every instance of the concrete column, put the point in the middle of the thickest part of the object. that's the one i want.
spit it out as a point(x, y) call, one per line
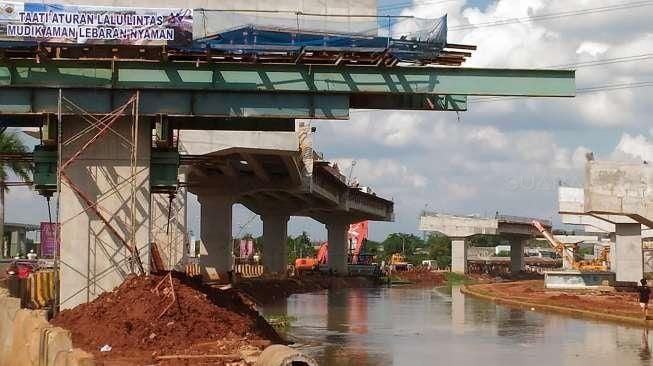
point(93, 258)
point(337, 252)
point(275, 246)
point(628, 252)
point(517, 255)
point(459, 255)
point(216, 251)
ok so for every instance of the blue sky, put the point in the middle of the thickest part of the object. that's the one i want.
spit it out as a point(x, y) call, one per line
point(501, 156)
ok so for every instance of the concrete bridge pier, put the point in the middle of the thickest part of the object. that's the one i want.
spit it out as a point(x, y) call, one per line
point(216, 251)
point(459, 254)
point(275, 250)
point(628, 253)
point(517, 255)
point(337, 252)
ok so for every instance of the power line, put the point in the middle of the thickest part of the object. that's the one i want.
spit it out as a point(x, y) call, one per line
point(413, 3)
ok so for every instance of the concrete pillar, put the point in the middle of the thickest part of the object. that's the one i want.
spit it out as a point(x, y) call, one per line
point(517, 255)
point(275, 246)
point(93, 258)
point(628, 252)
point(337, 252)
point(216, 251)
point(459, 255)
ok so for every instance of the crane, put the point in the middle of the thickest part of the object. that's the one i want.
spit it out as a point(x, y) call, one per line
point(568, 254)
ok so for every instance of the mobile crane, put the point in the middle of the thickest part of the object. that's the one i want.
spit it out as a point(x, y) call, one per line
point(569, 254)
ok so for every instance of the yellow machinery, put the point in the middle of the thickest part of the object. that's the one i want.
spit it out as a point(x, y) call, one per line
point(599, 264)
point(398, 262)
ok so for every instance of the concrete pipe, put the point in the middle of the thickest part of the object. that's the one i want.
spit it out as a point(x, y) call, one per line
point(278, 355)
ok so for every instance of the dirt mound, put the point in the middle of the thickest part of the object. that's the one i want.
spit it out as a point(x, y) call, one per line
point(269, 290)
point(133, 319)
point(425, 277)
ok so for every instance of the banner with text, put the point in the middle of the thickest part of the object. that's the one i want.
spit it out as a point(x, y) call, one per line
point(48, 239)
point(85, 24)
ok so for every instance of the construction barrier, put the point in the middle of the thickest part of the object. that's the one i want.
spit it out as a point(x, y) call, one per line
point(193, 270)
point(249, 270)
point(26, 338)
point(40, 292)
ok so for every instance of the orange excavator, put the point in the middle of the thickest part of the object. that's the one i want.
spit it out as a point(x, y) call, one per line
point(313, 263)
point(569, 254)
point(356, 237)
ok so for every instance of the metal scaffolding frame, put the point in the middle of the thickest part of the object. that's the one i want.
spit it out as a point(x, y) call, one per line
point(99, 127)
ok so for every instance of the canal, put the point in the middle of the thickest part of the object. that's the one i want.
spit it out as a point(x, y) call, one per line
point(417, 326)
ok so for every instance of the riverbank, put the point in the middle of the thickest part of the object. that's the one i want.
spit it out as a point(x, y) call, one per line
point(162, 319)
point(269, 290)
point(618, 307)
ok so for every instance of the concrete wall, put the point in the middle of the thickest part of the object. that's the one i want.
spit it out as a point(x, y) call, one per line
point(93, 259)
point(619, 188)
point(27, 339)
point(211, 22)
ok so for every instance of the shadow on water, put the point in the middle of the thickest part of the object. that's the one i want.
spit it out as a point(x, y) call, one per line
point(415, 326)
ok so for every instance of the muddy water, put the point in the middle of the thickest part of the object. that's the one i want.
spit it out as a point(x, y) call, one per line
point(408, 326)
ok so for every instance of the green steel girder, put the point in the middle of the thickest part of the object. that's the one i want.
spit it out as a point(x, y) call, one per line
point(286, 78)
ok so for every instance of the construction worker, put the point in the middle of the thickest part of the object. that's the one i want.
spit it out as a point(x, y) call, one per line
point(644, 295)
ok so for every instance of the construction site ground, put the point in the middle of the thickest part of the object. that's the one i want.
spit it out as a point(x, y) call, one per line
point(143, 325)
point(268, 290)
point(608, 305)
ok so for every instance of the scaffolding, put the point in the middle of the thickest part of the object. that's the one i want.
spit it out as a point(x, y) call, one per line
point(72, 148)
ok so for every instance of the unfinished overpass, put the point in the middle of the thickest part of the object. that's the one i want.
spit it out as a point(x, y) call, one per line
point(98, 106)
point(516, 229)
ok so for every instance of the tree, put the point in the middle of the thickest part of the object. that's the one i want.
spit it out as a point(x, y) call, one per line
point(401, 243)
point(300, 247)
point(10, 143)
point(439, 249)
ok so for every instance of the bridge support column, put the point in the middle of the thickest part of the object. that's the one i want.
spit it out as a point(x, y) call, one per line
point(94, 257)
point(459, 255)
point(517, 255)
point(216, 250)
point(337, 252)
point(628, 252)
point(275, 248)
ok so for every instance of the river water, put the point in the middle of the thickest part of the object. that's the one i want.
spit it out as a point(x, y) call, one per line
point(441, 326)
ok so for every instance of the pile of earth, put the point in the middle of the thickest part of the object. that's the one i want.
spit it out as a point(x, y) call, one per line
point(422, 276)
point(133, 321)
point(269, 290)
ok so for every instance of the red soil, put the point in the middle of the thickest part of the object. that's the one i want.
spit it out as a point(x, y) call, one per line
point(268, 290)
point(128, 319)
point(422, 277)
point(616, 303)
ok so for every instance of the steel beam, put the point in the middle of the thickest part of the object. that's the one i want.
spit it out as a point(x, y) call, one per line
point(286, 78)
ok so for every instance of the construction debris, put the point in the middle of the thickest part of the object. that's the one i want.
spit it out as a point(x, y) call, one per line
point(207, 322)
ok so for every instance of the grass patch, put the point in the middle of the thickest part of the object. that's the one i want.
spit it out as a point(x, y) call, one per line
point(457, 279)
point(280, 321)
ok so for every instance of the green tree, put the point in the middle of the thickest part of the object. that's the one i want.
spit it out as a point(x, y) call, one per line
point(300, 247)
point(10, 143)
point(401, 243)
point(439, 249)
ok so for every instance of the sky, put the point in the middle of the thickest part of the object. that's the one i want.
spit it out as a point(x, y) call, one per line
point(501, 155)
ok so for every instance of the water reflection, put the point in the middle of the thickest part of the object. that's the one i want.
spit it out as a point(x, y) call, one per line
point(408, 326)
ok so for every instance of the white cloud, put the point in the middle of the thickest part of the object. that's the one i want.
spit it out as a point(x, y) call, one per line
point(634, 147)
point(592, 48)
